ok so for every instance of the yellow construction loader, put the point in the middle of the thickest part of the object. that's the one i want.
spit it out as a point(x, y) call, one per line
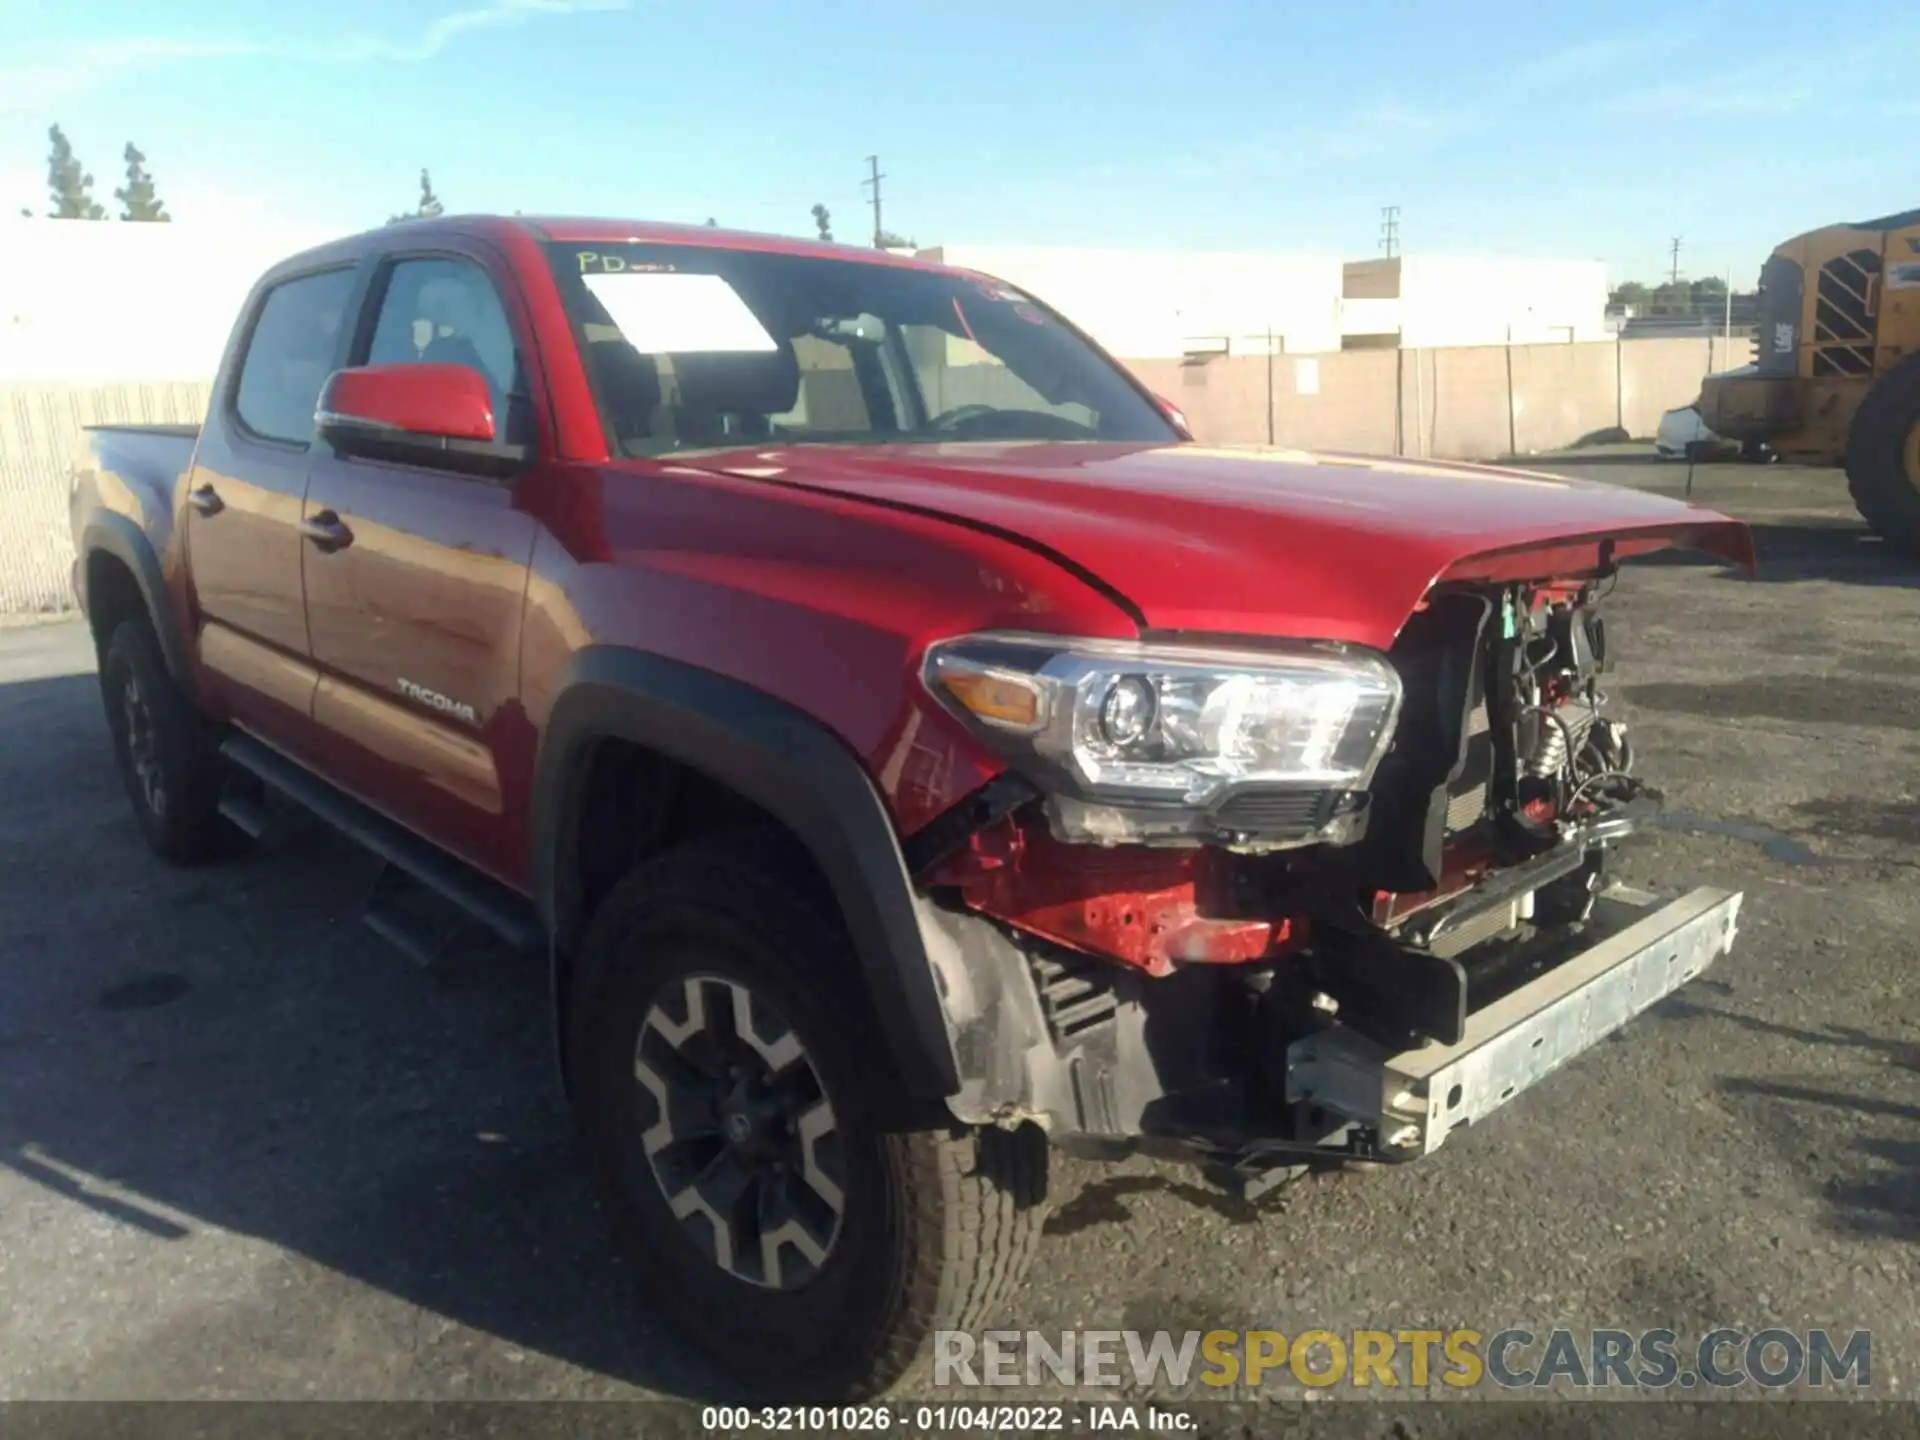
point(1836, 379)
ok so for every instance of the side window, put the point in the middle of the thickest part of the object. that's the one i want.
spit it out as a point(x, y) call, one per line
point(446, 312)
point(290, 354)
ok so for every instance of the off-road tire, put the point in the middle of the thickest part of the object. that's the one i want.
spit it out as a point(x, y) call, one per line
point(939, 1225)
point(167, 753)
point(1882, 449)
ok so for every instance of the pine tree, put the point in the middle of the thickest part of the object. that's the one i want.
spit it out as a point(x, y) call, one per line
point(68, 183)
point(137, 200)
point(823, 222)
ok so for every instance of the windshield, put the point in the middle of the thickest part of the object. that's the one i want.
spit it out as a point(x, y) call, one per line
point(690, 347)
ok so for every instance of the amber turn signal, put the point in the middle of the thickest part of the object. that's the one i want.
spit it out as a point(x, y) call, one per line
point(997, 698)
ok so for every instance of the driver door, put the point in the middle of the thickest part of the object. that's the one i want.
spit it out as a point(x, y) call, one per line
point(415, 605)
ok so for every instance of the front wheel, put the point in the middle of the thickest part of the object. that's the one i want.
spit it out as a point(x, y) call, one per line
point(727, 1074)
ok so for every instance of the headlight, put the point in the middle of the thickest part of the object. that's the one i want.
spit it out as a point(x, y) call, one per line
point(1137, 742)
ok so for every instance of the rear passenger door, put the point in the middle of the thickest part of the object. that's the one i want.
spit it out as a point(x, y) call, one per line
point(243, 504)
point(415, 620)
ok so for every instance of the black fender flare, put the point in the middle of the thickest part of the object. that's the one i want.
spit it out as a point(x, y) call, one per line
point(114, 534)
point(792, 767)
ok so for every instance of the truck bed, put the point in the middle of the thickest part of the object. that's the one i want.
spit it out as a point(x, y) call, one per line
point(129, 472)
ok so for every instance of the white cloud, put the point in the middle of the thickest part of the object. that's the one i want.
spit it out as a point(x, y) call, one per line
point(34, 88)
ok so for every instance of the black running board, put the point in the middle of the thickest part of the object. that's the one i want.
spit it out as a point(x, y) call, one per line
point(512, 917)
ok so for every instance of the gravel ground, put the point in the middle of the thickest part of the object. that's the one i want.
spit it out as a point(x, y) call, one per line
point(248, 1152)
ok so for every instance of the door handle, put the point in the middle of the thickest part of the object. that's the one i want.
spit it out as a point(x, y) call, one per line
point(206, 500)
point(326, 531)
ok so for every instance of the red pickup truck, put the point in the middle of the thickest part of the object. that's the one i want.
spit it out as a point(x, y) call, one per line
point(907, 748)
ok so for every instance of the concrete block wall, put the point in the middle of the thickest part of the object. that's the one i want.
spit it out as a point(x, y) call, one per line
point(1471, 403)
point(40, 427)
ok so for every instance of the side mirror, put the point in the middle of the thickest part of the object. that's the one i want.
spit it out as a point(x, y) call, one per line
point(1176, 415)
point(434, 415)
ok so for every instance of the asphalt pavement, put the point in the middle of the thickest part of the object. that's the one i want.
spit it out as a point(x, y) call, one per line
point(248, 1151)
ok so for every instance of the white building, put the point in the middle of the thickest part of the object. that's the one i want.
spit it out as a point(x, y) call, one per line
point(1425, 301)
point(110, 300)
point(1156, 304)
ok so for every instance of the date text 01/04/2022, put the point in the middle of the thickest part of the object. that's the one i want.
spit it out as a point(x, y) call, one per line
point(927, 1419)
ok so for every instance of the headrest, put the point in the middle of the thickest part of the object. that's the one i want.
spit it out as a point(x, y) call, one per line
point(447, 302)
point(750, 382)
point(629, 385)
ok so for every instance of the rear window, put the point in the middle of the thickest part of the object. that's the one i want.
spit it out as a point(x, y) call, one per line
point(294, 346)
point(689, 346)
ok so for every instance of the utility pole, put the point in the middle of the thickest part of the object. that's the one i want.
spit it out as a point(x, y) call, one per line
point(874, 177)
point(1389, 230)
point(1673, 272)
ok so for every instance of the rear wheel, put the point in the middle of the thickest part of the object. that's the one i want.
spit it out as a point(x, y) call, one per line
point(1883, 456)
point(166, 751)
point(730, 1082)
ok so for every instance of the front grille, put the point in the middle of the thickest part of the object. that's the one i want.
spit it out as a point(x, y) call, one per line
point(1276, 812)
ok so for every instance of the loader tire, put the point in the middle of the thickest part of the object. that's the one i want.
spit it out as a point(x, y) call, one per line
point(1883, 457)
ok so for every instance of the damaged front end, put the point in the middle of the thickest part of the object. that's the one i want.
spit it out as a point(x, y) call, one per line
point(1283, 938)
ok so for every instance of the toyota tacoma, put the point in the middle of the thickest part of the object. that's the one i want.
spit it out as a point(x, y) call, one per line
point(907, 747)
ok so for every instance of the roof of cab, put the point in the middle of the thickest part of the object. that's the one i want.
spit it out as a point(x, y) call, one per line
point(590, 231)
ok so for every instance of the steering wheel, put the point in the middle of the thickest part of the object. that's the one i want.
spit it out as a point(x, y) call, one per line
point(953, 419)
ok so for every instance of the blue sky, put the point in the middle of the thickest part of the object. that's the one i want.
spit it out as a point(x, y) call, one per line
point(1545, 129)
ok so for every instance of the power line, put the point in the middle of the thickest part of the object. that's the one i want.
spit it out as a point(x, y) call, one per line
point(1389, 230)
point(873, 179)
point(1673, 273)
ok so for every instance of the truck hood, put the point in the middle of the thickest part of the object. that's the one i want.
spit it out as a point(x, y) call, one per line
point(1257, 541)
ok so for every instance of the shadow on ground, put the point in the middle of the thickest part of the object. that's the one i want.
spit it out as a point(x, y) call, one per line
point(1802, 521)
point(1792, 550)
point(229, 1048)
point(1813, 699)
point(1868, 1143)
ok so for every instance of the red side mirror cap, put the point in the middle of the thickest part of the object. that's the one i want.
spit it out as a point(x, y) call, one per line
point(393, 402)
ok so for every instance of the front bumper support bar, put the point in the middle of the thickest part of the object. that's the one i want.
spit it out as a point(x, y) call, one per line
point(1415, 1099)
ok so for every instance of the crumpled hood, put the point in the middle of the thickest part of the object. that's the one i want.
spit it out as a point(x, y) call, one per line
point(1252, 541)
